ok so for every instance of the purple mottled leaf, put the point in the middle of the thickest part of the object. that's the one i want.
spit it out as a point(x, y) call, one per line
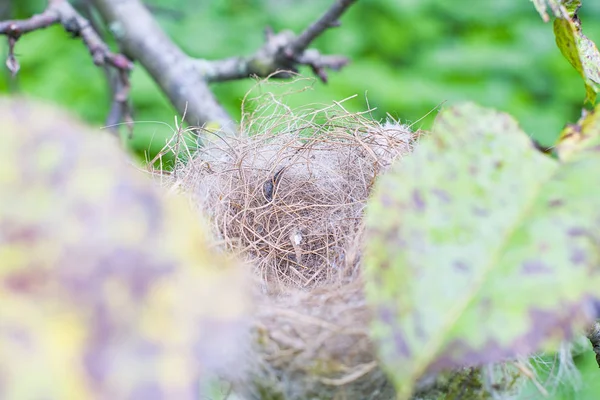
point(505, 263)
point(109, 289)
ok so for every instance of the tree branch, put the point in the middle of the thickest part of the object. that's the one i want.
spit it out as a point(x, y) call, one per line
point(142, 39)
point(61, 12)
point(328, 20)
point(182, 78)
point(283, 51)
point(16, 28)
point(120, 110)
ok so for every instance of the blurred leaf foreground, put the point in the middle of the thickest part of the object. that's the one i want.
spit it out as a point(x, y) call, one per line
point(480, 247)
point(108, 289)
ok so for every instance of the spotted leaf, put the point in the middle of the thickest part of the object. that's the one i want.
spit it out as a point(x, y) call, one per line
point(480, 248)
point(109, 289)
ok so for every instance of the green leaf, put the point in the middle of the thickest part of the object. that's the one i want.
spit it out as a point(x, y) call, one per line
point(576, 140)
point(479, 248)
point(581, 52)
point(109, 288)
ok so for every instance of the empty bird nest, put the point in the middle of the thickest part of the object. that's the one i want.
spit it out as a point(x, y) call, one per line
point(288, 196)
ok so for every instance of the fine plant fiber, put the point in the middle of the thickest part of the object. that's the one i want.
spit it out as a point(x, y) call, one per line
point(289, 193)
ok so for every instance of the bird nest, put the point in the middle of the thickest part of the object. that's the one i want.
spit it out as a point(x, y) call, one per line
point(288, 196)
point(291, 201)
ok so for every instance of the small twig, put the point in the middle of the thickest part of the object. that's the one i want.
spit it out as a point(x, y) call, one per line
point(120, 110)
point(297, 50)
point(282, 53)
point(61, 12)
point(328, 20)
point(531, 376)
point(358, 373)
point(16, 28)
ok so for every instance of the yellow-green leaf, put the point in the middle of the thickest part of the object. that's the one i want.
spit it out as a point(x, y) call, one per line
point(576, 140)
point(108, 288)
point(577, 48)
point(480, 248)
point(581, 52)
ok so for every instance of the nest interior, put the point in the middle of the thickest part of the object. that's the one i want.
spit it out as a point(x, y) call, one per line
point(292, 202)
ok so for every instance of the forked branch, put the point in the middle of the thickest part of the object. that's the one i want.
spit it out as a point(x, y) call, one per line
point(182, 78)
point(282, 52)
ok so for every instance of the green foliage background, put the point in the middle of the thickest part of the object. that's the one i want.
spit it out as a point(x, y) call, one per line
point(408, 57)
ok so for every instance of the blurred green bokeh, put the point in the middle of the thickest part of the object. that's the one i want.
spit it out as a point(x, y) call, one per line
point(408, 57)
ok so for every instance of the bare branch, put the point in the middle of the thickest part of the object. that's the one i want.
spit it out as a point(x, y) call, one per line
point(267, 60)
point(281, 52)
point(319, 63)
point(120, 111)
point(182, 78)
point(118, 84)
point(16, 28)
point(328, 20)
point(142, 39)
point(61, 12)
